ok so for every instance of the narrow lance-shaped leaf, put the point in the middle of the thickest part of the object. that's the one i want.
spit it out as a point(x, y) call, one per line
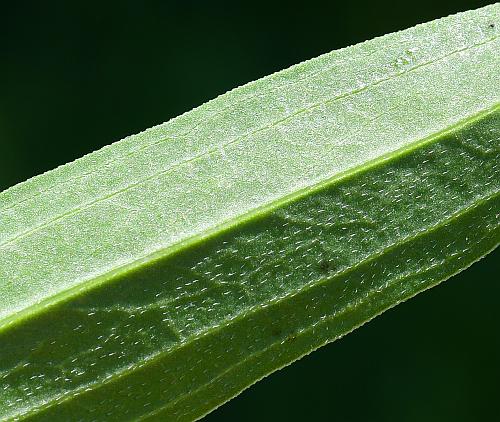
point(158, 277)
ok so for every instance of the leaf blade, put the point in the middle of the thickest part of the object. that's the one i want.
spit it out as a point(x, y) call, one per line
point(473, 145)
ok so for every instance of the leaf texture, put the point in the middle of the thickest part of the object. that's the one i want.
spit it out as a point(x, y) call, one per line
point(158, 277)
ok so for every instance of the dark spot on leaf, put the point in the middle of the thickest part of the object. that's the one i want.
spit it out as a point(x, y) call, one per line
point(326, 266)
point(276, 331)
point(492, 25)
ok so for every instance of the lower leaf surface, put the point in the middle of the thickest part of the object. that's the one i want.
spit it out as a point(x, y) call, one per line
point(174, 337)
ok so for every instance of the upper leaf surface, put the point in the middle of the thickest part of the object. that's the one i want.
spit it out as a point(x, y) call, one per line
point(245, 150)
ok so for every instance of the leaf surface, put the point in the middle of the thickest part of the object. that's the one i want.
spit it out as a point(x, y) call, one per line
point(158, 277)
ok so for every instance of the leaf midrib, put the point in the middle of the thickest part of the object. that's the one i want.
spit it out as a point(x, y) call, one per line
point(149, 259)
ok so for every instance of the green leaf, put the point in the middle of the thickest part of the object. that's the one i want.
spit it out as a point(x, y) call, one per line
point(158, 277)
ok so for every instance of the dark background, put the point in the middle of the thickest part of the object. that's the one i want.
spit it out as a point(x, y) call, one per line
point(75, 76)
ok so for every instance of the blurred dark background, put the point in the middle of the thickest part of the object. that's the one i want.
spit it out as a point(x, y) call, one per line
point(75, 76)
